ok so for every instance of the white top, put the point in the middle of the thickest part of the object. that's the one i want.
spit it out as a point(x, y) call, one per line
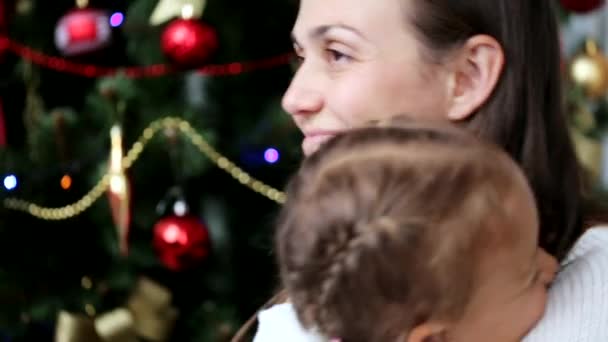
point(279, 323)
point(577, 310)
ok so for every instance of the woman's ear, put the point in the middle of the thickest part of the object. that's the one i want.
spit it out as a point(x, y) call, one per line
point(474, 74)
point(427, 332)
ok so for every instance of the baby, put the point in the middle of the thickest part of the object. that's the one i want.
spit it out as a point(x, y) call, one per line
point(415, 233)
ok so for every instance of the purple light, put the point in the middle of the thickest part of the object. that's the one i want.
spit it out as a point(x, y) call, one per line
point(271, 156)
point(116, 19)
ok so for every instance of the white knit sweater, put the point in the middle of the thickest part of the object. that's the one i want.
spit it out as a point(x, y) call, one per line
point(577, 310)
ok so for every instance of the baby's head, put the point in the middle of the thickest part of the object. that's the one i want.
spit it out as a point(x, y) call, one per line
point(415, 233)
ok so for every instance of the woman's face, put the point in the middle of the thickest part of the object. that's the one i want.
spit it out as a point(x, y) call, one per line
point(361, 62)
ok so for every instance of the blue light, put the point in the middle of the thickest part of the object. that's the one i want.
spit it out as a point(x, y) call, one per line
point(10, 182)
point(116, 19)
point(271, 156)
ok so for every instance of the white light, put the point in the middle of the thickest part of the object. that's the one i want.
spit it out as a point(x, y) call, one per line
point(187, 11)
point(180, 208)
point(118, 184)
point(10, 182)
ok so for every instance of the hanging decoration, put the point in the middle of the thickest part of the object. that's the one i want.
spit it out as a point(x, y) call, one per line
point(148, 315)
point(119, 191)
point(589, 70)
point(581, 6)
point(188, 42)
point(83, 30)
point(181, 240)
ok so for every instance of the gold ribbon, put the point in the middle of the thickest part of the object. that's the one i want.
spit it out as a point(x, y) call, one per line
point(148, 314)
point(166, 10)
point(152, 310)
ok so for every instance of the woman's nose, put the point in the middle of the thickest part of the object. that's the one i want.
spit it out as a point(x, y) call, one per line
point(548, 265)
point(304, 95)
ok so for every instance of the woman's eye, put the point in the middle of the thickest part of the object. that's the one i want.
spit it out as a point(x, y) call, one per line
point(337, 56)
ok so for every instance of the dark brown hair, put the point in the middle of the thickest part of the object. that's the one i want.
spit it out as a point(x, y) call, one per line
point(524, 114)
point(386, 227)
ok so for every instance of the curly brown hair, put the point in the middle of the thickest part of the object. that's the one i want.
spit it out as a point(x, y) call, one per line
point(384, 227)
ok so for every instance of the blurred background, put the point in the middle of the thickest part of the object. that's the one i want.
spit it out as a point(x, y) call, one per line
point(143, 151)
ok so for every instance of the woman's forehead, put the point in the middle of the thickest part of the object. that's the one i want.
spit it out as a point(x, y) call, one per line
point(369, 17)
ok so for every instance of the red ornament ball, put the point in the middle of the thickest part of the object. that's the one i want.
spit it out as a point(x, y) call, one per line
point(181, 242)
point(82, 31)
point(188, 42)
point(581, 6)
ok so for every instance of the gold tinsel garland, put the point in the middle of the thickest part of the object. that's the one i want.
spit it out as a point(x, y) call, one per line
point(171, 123)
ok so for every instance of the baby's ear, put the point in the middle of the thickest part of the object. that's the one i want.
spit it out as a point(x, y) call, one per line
point(427, 332)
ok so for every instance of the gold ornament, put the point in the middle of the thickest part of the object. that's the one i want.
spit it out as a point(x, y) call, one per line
point(589, 70)
point(166, 10)
point(148, 314)
point(151, 306)
point(119, 190)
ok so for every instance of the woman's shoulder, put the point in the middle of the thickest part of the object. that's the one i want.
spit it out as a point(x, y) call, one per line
point(280, 323)
point(594, 241)
point(577, 309)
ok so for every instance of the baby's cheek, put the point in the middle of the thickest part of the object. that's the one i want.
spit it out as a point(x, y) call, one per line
point(538, 305)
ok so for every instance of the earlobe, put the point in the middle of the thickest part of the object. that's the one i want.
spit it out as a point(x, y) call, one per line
point(474, 76)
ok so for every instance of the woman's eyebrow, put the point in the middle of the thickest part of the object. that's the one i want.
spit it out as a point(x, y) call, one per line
point(318, 32)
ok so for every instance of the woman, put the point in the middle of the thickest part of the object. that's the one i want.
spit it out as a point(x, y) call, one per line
point(365, 60)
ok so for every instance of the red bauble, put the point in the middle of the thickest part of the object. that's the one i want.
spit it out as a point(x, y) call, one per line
point(581, 6)
point(82, 31)
point(181, 242)
point(188, 42)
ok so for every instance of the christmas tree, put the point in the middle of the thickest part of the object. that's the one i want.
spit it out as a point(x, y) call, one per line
point(142, 153)
point(585, 69)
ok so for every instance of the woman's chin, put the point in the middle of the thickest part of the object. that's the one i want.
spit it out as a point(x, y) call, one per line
point(311, 144)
